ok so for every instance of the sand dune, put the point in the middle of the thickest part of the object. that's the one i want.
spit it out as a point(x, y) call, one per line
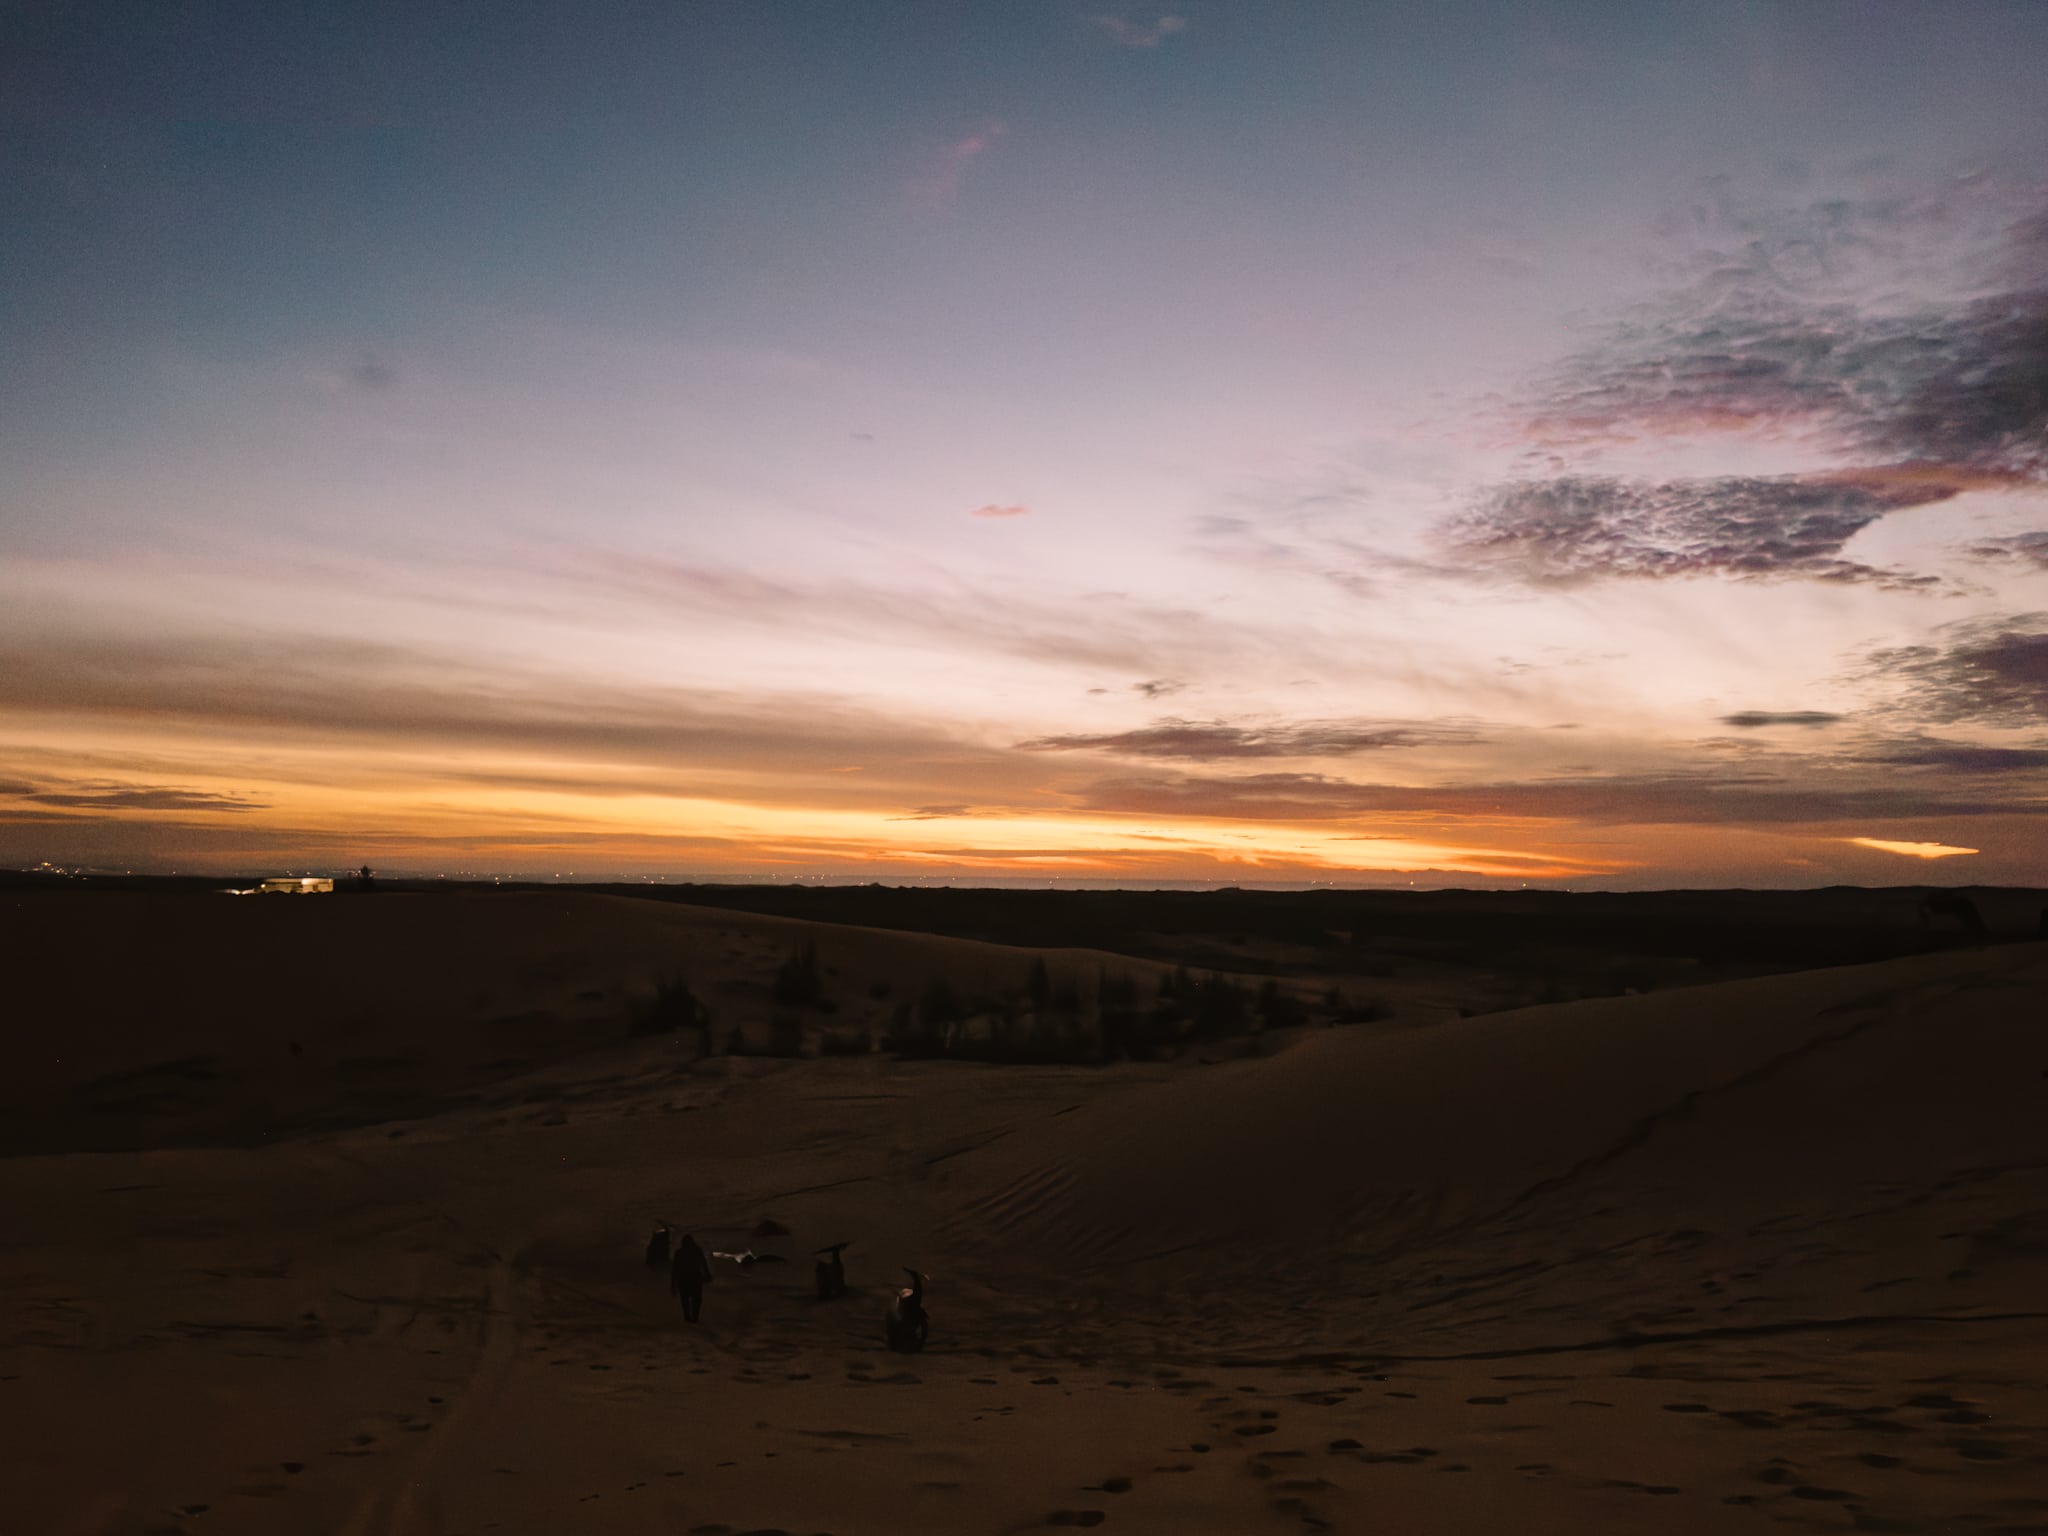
point(1771, 1252)
point(145, 1019)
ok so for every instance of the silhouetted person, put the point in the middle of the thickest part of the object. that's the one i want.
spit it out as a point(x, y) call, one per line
point(658, 1246)
point(906, 1322)
point(831, 1272)
point(687, 1272)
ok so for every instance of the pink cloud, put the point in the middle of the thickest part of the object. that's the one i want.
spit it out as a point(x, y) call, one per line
point(992, 510)
point(941, 185)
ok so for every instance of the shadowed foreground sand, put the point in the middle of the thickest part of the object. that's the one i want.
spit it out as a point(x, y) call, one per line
point(1760, 1255)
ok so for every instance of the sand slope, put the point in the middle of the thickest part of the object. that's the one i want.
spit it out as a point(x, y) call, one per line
point(1767, 1254)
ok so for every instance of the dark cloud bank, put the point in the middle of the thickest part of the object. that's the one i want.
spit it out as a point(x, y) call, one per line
point(1790, 331)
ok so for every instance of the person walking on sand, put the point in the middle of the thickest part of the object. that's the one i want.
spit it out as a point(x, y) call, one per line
point(658, 1245)
point(906, 1323)
point(687, 1273)
point(830, 1271)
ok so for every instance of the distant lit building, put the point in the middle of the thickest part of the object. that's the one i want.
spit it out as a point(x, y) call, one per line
point(296, 885)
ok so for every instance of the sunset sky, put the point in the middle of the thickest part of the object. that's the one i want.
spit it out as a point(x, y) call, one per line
point(1598, 444)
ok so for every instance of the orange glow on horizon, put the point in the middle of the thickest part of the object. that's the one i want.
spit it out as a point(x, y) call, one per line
point(1912, 850)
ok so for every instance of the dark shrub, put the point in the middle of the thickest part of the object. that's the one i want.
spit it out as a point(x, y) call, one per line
point(674, 1006)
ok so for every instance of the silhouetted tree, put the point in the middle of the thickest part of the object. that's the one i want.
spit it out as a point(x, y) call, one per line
point(1039, 985)
point(797, 980)
point(1219, 1006)
point(1278, 1008)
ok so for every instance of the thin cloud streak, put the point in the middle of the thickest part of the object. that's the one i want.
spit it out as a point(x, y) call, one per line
point(1759, 719)
point(1217, 740)
point(112, 797)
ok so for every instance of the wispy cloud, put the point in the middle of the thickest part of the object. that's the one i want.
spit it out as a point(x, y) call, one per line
point(1218, 740)
point(1120, 634)
point(1139, 34)
point(1158, 687)
point(993, 509)
point(2020, 548)
point(940, 183)
point(1991, 671)
point(310, 690)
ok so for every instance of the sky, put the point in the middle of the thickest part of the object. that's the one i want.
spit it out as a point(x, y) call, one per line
point(1579, 443)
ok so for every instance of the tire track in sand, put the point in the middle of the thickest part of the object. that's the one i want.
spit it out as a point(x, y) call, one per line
point(405, 1506)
